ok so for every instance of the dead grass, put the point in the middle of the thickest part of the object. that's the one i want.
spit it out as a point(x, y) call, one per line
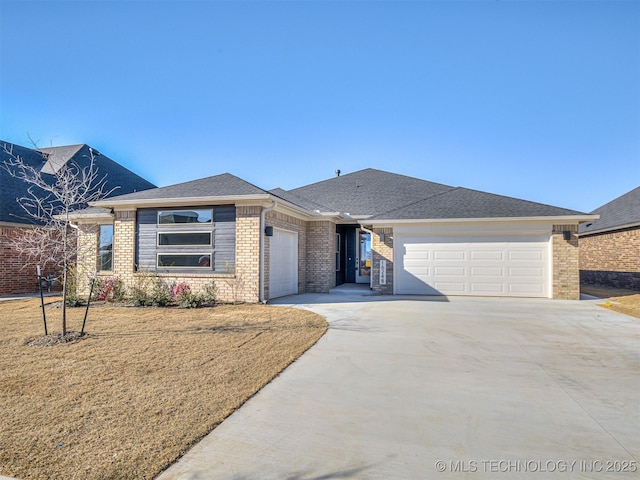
point(617, 299)
point(144, 385)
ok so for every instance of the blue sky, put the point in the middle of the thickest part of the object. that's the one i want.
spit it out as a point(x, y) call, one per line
point(537, 100)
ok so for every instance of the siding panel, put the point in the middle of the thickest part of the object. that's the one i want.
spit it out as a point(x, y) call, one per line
point(223, 228)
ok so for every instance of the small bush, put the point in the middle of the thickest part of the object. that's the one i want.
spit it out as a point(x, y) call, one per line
point(210, 293)
point(111, 290)
point(73, 300)
point(191, 300)
point(160, 295)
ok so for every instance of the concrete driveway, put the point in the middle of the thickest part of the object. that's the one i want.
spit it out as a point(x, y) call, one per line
point(423, 388)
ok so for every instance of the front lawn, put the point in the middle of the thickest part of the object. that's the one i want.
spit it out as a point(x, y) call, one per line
point(139, 390)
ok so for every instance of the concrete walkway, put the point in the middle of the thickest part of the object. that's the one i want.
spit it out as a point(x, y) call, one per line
point(417, 388)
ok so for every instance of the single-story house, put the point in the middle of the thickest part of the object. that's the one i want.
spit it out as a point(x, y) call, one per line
point(18, 278)
point(398, 234)
point(610, 245)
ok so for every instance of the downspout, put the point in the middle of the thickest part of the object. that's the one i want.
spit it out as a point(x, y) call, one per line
point(262, 226)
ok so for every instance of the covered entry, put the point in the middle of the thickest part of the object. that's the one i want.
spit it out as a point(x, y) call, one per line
point(353, 255)
point(283, 263)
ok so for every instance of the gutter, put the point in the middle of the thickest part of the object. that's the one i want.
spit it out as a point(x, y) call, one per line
point(262, 221)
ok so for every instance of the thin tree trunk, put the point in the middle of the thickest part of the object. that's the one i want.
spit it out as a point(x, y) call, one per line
point(64, 302)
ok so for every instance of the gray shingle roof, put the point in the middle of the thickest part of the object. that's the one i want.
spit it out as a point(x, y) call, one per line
point(49, 160)
point(465, 203)
point(216, 186)
point(620, 212)
point(367, 192)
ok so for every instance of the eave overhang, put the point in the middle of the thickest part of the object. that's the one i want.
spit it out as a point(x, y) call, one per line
point(609, 229)
point(554, 219)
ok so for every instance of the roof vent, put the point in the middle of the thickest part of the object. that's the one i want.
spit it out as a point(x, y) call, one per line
point(338, 173)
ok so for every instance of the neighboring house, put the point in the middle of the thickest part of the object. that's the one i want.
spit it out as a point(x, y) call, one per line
point(17, 278)
point(610, 246)
point(398, 234)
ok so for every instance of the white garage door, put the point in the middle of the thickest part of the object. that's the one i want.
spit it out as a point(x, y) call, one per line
point(485, 266)
point(283, 263)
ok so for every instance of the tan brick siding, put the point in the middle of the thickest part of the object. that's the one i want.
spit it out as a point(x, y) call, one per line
point(321, 256)
point(566, 275)
point(241, 285)
point(287, 222)
point(611, 259)
point(247, 269)
point(382, 250)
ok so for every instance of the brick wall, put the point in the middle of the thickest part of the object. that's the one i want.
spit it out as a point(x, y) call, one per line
point(17, 277)
point(287, 222)
point(611, 259)
point(242, 285)
point(247, 270)
point(566, 274)
point(382, 250)
point(321, 256)
point(87, 255)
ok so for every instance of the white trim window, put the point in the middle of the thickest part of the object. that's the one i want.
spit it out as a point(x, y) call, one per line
point(105, 248)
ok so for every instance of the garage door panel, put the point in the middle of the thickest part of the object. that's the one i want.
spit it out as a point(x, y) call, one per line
point(526, 290)
point(487, 288)
point(525, 255)
point(441, 255)
point(491, 265)
point(487, 271)
point(283, 263)
point(449, 271)
point(492, 256)
point(455, 288)
point(526, 272)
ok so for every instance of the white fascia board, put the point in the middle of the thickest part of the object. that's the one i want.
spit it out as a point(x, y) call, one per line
point(133, 204)
point(95, 218)
point(559, 219)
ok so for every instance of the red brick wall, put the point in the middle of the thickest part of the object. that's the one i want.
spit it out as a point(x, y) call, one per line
point(15, 276)
point(611, 259)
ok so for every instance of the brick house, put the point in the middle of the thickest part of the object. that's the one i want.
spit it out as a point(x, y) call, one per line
point(397, 234)
point(18, 278)
point(610, 245)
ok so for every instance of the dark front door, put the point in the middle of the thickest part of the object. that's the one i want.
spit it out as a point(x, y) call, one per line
point(347, 254)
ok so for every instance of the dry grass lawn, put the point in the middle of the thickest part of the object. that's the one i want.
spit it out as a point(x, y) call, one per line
point(619, 300)
point(139, 390)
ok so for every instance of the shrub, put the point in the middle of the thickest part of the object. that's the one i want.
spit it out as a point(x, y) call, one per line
point(210, 293)
point(73, 300)
point(191, 300)
point(111, 290)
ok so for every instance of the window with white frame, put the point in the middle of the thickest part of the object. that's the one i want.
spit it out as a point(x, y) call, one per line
point(105, 248)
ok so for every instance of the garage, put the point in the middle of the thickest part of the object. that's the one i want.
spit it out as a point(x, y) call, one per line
point(479, 265)
point(283, 263)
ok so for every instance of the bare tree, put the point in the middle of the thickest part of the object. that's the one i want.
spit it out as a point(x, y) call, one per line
point(49, 202)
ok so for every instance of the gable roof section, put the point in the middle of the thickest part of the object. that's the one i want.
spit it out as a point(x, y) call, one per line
point(367, 192)
point(49, 161)
point(463, 203)
point(622, 212)
point(224, 185)
point(12, 188)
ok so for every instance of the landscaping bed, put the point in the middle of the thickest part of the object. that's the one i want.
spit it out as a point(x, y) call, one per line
point(143, 386)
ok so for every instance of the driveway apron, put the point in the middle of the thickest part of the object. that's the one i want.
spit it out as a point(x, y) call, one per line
point(421, 388)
